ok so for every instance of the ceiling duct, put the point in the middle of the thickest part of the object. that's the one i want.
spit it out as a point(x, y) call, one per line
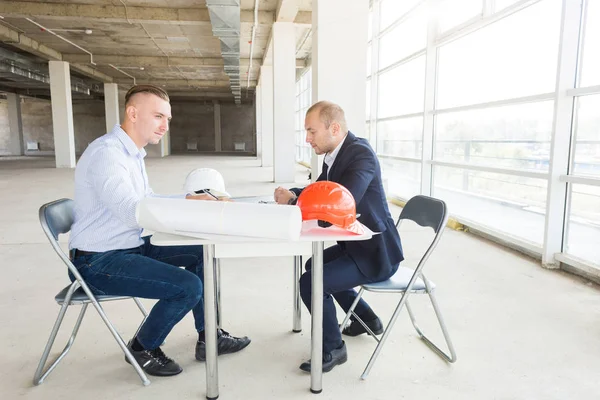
point(225, 20)
point(25, 77)
point(19, 71)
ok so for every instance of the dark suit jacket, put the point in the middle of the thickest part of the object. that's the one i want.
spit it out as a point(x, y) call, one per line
point(357, 168)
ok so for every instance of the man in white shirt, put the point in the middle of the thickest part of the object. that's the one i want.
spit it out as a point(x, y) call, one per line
point(106, 244)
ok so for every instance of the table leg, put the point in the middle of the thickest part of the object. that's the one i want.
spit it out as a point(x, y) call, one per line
point(218, 286)
point(297, 302)
point(210, 323)
point(316, 367)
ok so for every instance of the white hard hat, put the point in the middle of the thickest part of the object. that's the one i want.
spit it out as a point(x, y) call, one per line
point(206, 179)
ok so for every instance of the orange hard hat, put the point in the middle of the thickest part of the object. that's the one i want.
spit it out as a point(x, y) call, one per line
point(330, 202)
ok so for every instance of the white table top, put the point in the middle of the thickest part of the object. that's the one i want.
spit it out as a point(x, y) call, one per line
point(311, 232)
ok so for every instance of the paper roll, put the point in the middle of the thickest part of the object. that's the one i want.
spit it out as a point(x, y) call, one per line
point(220, 217)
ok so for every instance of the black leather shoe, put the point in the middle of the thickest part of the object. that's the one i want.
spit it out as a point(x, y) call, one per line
point(225, 344)
point(355, 328)
point(154, 362)
point(330, 360)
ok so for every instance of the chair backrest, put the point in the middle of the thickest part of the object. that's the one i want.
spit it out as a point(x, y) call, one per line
point(56, 219)
point(425, 211)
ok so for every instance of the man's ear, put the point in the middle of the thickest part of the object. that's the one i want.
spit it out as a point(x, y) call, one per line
point(131, 113)
point(335, 128)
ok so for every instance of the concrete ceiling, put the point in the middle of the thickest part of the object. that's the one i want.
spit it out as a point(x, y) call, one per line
point(164, 42)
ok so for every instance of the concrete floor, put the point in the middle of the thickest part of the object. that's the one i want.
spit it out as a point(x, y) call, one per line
point(521, 332)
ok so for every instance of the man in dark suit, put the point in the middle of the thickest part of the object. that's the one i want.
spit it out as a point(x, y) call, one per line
point(351, 162)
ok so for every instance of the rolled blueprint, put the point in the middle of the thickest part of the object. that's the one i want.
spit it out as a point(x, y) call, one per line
point(179, 216)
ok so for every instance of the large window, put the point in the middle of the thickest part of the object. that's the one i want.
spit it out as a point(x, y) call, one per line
point(406, 38)
point(584, 222)
point(514, 136)
point(470, 114)
point(303, 102)
point(400, 137)
point(401, 89)
point(392, 10)
point(587, 136)
point(497, 62)
point(511, 204)
point(590, 74)
point(401, 177)
point(450, 16)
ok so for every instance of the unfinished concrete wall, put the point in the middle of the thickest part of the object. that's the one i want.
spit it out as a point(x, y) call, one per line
point(88, 123)
point(192, 122)
point(36, 117)
point(238, 125)
point(4, 128)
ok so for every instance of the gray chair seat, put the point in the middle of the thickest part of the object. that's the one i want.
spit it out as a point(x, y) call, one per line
point(398, 283)
point(79, 296)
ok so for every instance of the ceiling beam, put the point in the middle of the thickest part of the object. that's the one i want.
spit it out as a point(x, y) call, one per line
point(193, 83)
point(104, 13)
point(303, 18)
point(129, 14)
point(29, 45)
point(286, 10)
point(160, 62)
point(144, 61)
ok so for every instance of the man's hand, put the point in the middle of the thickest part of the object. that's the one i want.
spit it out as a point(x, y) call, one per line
point(283, 196)
point(202, 196)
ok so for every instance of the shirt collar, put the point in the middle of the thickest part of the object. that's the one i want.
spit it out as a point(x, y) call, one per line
point(128, 142)
point(330, 157)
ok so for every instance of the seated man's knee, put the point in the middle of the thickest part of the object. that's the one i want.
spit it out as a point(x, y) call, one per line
point(194, 289)
point(305, 283)
point(308, 264)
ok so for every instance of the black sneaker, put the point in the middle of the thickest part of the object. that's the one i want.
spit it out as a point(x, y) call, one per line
point(355, 328)
point(154, 362)
point(330, 360)
point(225, 344)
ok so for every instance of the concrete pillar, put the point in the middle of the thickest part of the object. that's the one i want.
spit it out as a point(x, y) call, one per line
point(62, 114)
point(339, 67)
point(284, 96)
point(111, 105)
point(15, 123)
point(258, 110)
point(266, 79)
point(166, 142)
point(217, 113)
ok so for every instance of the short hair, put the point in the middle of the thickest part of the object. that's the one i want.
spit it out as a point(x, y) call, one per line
point(150, 89)
point(328, 113)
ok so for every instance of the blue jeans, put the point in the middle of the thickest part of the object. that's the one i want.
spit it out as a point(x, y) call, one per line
point(340, 276)
point(151, 272)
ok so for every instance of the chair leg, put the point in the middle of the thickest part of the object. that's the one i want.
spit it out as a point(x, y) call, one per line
point(384, 337)
point(450, 358)
point(351, 312)
point(120, 342)
point(39, 376)
point(141, 307)
point(144, 313)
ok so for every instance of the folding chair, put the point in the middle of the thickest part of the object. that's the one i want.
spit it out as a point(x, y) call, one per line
point(427, 212)
point(56, 218)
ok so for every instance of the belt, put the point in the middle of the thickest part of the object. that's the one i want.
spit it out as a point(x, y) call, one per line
point(76, 253)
